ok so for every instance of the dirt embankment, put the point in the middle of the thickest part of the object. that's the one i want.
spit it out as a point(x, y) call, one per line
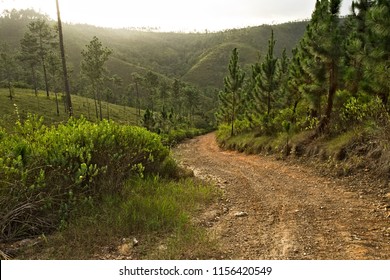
point(275, 210)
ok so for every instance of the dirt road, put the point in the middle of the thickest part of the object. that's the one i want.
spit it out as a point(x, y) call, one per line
point(274, 210)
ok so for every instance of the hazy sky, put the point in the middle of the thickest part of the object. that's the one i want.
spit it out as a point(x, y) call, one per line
point(174, 14)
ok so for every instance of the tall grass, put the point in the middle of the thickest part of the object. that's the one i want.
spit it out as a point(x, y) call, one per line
point(154, 210)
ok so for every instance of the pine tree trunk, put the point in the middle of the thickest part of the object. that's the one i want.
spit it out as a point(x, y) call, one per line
point(100, 108)
point(268, 103)
point(10, 90)
point(89, 114)
point(233, 114)
point(45, 76)
point(325, 121)
point(138, 103)
point(34, 76)
point(64, 68)
point(96, 104)
point(58, 109)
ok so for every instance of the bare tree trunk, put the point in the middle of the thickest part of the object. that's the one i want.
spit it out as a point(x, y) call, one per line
point(34, 76)
point(100, 109)
point(138, 103)
point(89, 115)
point(108, 110)
point(45, 76)
point(233, 114)
point(10, 89)
point(58, 109)
point(64, 68)
point(96, 105)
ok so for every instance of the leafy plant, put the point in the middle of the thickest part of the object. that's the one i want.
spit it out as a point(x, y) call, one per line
point(46, 171)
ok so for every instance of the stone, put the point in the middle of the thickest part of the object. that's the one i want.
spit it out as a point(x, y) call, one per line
point(241, 214)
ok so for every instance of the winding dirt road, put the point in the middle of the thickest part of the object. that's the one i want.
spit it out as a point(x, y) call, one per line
point(275, 210)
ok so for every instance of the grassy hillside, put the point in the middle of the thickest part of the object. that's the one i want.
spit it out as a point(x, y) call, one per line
point(211, 66)
point(26, 102)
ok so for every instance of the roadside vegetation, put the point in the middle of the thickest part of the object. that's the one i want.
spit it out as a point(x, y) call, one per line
point(329, 100)
point(79, 184)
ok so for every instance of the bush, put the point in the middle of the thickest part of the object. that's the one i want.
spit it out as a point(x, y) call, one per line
point(173, 137)
point(46, 171)
point(360, 110)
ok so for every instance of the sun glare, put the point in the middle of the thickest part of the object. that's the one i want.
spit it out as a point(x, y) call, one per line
point(173, 15)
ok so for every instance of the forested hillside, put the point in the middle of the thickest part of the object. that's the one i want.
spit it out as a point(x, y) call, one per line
point(196, 58)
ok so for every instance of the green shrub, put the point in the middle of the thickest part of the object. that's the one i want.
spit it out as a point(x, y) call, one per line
point(46, 171)
point(176, 136)
point(356, 111)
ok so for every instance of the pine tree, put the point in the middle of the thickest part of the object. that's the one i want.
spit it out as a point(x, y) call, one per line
point(378, 62)
point(267, 82)
point(63, 61)
point(92, 66)
point(230, 100)
point(54, 75)
point(7, 68)
point(283, 78)
point(322, 45)
point(45, 40)
point(357, 46)
point(296, 78)
point(137, 79)
point(251, 109)
point(29, 55)
point(177, 99)
point(191, 101)
point(152, 82)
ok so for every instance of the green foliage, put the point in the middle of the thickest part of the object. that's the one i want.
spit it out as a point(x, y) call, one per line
point(8, 69)
point(46, 171)
point(268, 81)
point(336, 80)
point(27, 102)
point(231, 99)
point(360, 110)
point(92, 66)
point(36, 45)
point(196, 58)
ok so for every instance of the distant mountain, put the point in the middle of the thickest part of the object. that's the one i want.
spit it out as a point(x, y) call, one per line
point(197, 58)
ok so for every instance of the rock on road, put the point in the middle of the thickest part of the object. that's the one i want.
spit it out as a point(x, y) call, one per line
point(274, 210)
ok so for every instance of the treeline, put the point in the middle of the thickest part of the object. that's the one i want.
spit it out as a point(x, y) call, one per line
point(337, 77)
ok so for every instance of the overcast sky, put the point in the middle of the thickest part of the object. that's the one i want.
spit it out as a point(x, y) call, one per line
point(174, 15)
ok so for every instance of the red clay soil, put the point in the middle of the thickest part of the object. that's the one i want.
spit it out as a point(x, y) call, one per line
point(277, 210)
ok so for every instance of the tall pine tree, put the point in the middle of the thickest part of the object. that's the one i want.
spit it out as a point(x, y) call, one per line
point(45, 40)
point(378, 62)
point(230, 100)
point(322, 45)
point(92, 66)
point(268, 80)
